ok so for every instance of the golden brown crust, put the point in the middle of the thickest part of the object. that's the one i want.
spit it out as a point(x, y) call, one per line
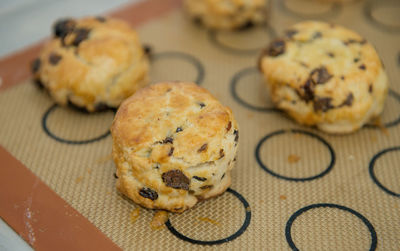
point(325, 75)
point(227, 14)
point(176, 142)
point(92, 62)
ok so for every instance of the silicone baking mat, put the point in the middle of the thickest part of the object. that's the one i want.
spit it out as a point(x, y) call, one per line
point(293, 187)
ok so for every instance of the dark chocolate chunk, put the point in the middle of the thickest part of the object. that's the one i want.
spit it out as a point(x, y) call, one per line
point(54, 58)
point(148, 193)
point(179, 129)
point(356, 60)
point(331, 55)
point(236, 133)
point(229, 126)
point(115, 176)
point(221, 153)
point(342, 77)
point(362, 67)
point(308, 89)
point(191, 192)
point(203, 148)
point(168, 140)
point(80, 35)
point(276, 48)
point(348, 101)
point(290, 33)
point(322, 104)
point(206, 187)
point(316, 35)
point(202, 105)
point(176, 179)
point(35, 65)
point(199, 178)
point(370, 88)
point(320, 75)
point(101, 19)
point(171, 151)
point(63, 27)
point(223, 176)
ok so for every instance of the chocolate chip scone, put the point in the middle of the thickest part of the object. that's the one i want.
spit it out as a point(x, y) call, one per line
point(174, 144)
point(227, 14)
point(92, 63)
point(325, 75)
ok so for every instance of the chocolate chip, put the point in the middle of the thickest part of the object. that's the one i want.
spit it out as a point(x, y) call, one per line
point(362, 67)
point(370, 88)
point(35, 65)
point(356, 60)
point(246, 26)
point(54, 58)
point(322, 104)
point(342, 77)
point(147, 49)
point(179, 129)
point(80, 35)
point(221, 153)
point(197, 20)
point(171, 151)
point(229, 126)
point(176, 179)
point(353, 41)
point(331, 55)
point(191, 192)
point(223, 175)
point(308, 91)
point(63, 27)
point(199, 178)
point(290, 33)
point(348, 101)
point(236, 133)
point(206, 187)
point(148, 193)
point(115, 176)
point(168, 140)
point(316, 35)
point(276, 48)
point(320, 75)
point(203, 148)
point(202, 105)
point(101, 19)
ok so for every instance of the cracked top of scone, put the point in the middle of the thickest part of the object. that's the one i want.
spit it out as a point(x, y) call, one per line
point(326, 75)
point(173, 144)
point(94, 62)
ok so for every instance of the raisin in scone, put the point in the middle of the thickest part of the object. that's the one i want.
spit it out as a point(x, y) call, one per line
point(227, 14)
point(92, 63)
point(173, 145)
point(326, 76)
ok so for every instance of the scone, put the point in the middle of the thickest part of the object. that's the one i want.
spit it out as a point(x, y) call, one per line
point(326, 76)
point(174, 144)
point(92, 63)
point(227, 14)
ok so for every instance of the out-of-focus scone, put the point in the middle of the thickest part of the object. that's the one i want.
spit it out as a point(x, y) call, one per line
point(173, 145)
point(227, 14)
point(325, 75)
point(93, 63)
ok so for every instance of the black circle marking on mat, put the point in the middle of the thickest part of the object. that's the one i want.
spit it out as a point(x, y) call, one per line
point(333, 11)
point(213, 36)
point(288, 229)
point(390, 123)
point(235, 81)
point(241, 230)
point(66, 141)
point(185, 56)
point(372, 170)
point(368, 7)
point(324, 142)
